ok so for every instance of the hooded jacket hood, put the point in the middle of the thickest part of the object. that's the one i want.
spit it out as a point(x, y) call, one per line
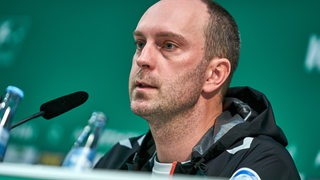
point(238, 121)
point(261, 121)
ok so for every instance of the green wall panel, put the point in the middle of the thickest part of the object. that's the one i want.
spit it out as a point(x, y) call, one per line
point(59, 47)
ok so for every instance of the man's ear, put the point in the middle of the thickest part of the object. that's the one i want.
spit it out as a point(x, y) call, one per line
point(217, 72)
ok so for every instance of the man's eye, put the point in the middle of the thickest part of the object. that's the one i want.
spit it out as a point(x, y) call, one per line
point(139, 44)
point(169, 46)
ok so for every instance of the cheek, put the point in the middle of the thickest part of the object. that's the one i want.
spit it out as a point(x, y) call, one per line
point(132, 75)
point(134, 68)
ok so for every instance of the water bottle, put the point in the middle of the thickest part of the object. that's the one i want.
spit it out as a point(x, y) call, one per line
point(8, 107)
point(82, 154)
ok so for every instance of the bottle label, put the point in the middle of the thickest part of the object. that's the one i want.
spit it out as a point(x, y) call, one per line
point(80, 158)
point(4, 137)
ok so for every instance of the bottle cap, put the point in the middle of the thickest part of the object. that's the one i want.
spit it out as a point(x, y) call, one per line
point(15, 90)
point(99, 118)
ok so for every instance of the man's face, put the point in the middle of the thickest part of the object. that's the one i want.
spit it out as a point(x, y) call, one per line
point(167, 70)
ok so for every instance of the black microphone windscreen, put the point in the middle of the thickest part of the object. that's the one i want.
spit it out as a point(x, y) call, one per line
point(63, 104)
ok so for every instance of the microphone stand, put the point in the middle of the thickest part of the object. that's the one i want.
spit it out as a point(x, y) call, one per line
point(27, 119)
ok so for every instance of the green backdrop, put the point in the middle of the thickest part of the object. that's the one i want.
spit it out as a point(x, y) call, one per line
point(56, 47)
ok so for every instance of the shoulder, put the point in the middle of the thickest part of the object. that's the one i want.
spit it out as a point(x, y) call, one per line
point(269, 159)
point(120, 153)
point(267, 146)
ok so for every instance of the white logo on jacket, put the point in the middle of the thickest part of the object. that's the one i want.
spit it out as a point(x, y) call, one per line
point(245, 145)
point(245, 174)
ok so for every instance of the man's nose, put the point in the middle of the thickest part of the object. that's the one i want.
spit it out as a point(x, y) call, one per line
point(147, 57)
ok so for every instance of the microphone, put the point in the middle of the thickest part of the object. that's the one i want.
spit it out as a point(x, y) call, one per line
point(57, 106)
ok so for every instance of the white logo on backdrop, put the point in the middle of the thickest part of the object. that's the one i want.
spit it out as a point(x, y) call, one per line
point(313, 54)
point(12, 33)
point(317, 160)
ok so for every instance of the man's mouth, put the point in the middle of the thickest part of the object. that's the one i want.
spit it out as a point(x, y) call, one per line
point(141, 84)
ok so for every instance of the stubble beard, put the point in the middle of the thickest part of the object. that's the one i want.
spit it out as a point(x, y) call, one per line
point(174, 100)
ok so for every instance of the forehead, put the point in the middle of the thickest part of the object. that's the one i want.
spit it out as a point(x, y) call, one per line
point(185, 17)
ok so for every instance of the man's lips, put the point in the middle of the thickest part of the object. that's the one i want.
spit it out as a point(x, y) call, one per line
point(141, 84)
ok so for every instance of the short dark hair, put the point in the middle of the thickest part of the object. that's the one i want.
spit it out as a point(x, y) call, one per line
point(222, 37)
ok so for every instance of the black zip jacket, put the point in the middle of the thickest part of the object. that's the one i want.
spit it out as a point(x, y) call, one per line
point(245, 135)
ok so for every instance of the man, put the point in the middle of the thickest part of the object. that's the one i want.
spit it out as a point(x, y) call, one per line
point(186, 53)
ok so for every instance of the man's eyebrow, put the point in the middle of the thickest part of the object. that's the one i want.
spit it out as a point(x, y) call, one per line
point(137, 33)
point(163, 34)
point(170, 34)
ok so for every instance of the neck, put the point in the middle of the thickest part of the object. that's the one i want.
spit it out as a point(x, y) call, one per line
point(176, 137)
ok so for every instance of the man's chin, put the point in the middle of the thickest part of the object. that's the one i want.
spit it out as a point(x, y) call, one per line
point(143, 112)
